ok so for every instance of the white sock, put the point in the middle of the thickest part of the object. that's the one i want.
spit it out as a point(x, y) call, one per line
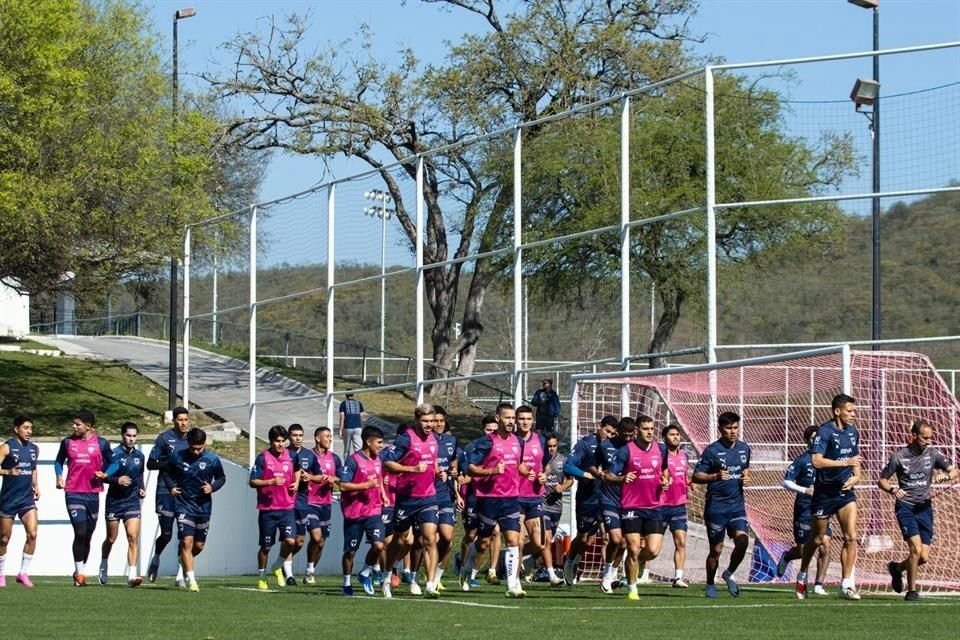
point(847, 583)
point(608, 571)
point(79, 567)
point(179, 572)
point(802, 577)
point(678, 575)
point(191, 577)
point(131, 572)
point(310, 568)
point(346, 580)
point(24, 564)
point(262, 573)
point(646, 574)
point(365, 571)
point(439, 575)
point(473, 574)
point(3, 563)
point(512, 558)
point(288, 568)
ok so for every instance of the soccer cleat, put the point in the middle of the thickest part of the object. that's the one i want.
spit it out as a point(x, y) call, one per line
point(309, 579)
point(79, 580)
point(153, 569)
point(782, 565)
point(278, 572)
point(492, 577)
point(431, 593)
point(407, 577)
point(180, 583)
point(394, 580)
point(291, 581)
point(3, 581)
point(415, 589)
point(710, 591)
point(679, 583)
point(849, 593)
point(633, 595)
point(135, 582)
point(367, 584)
point(440, 586)
point(194, 587)
point(465, 583)
point(645, 578)
point(347, 590)
point(262, 585)
point(732, 585)
point(606, 585)
point(819, 590)
point(474, 583)
point(896, 576)
point(516, 592)
point(24, 579)
point(912, 596)
point(801, 591)
point(377, 577)
point(569, 573)
point(387, 589)
point(102, 576)
point(555, 580)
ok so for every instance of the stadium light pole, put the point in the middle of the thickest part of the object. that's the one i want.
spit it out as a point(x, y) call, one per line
point(180, 14)
point(381, 197)
point(874, 117)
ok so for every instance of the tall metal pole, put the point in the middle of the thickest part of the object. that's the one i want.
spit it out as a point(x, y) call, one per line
point(875, 285)
point(383, 285)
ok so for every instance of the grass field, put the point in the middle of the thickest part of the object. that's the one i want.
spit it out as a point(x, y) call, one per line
point(232, 608)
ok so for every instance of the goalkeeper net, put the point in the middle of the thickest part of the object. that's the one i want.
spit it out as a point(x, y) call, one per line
point(777, 397)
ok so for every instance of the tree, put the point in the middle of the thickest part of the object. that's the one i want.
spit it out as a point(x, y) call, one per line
point(85, 147)
point(550, 56)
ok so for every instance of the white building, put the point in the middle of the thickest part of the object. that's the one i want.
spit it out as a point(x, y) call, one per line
point(14, 311)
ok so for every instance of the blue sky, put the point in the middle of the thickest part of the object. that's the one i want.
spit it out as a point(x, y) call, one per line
point(737, 30)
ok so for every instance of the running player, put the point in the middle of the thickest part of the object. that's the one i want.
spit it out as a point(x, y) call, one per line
point(674, 509)
point(835, 454)
point(582, 465)
point(445, 486)
point(494, 465)
point(724, 466)
point(471, 520)
point(610, 498)
point(557, 483)
point(169, 442)
point(315, 498)
point(362, 498)
point(276, 476)
point(19, 495)
point(413, 458)
point(917, 467)
point(532, 480)
point(799, 478)
point(86, 456)
point(127, 489)
point(193, 476)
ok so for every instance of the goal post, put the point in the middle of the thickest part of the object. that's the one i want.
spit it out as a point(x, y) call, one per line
point(777, 397)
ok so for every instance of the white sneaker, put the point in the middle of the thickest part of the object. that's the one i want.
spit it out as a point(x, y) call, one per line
point(819, 590)
point(415, 589)
point(680, 583)
point(606, 585)
point(645, 579)
point(387, 592)
point(849, 594)
point(181, 583)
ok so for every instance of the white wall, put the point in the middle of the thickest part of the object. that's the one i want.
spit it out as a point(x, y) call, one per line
point(14, 312)
point(231, 544)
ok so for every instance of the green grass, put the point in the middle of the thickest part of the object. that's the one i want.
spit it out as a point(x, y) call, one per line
point(231, 608)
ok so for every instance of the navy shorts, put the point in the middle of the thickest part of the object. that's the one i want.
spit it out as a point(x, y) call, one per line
point(276, 525)
point(196, 527)
point(674, 517)
point(83, 508)
point(915, 520)
point(828, 502)
point(315, 516)
point(354, 530)
point(725, 522)
point(471, 519)
point(419, 512)
point(611, 517)
point(803, 527)
point(166, 505)
point(386, 517)
point(498, 511)
point(531, 507)
point(446, 514)
point(643, 521)
point(589, 518)
point(128, 510)
point(551, 519)
point(11, 511)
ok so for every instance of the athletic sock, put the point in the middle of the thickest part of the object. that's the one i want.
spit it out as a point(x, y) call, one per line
point(678, 575)
point(802, 577)
point(180, 571)
point(131, 572)
point(310, 568)
point(79, 567)
point(24, 564)
point(191, 577)
point(512, 558)
point(847, 583)
point(346, 580)
point(262, 573)
point(3, 563)
point(287, 568)
point(608, 571)
point(439, 574)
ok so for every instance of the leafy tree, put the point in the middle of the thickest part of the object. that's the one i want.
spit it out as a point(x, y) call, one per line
point(85, 147)
point(549, 56)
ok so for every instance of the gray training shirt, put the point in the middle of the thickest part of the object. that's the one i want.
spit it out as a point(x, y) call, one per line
point(915, 472)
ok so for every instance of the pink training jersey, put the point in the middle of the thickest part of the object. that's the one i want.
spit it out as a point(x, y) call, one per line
point(276, 497)
point(644, 492)
point(421, 483)
point(676, 494)
point(533, 459)
point(366, 502)
point(84, 459)
point(322, 494)
point(506, 484)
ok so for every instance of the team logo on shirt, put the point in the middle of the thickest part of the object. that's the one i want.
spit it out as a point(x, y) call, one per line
point(203, 465)
point(743, 458)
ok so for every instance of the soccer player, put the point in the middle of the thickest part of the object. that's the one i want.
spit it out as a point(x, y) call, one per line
point(193, 476)
point(126, 490)
point(471, 520)
point(413, 458)
point(674, 508)
point(171, 441)
point(916, 467)
point(532, 480)
point(610, 497)
point(835, 454)
point(19, 495)
point(362, 498)
point(724, 466)
point(319, 475)
point(556, 484)
point(799, 477)
point(581, 464)
point(639, 467)
point(86, 456)
point(494, 465)
point(448, 500)
point(276, 476)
